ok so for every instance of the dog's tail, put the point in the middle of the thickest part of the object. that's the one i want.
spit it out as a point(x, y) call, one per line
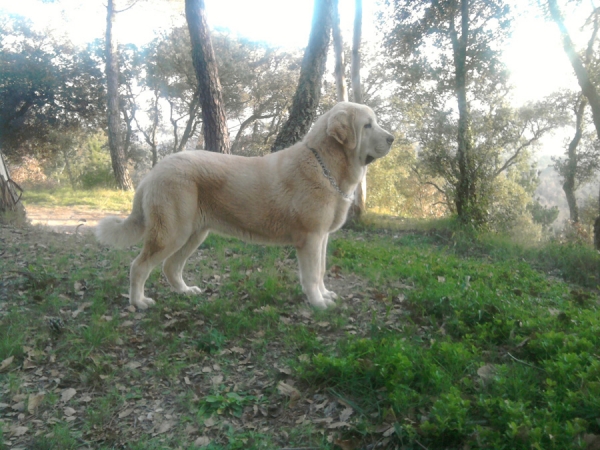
point(121, 233)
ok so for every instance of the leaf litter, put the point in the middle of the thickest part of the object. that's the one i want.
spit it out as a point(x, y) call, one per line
point(124, 391)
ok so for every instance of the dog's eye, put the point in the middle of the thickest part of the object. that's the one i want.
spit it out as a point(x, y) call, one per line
point(368, 125)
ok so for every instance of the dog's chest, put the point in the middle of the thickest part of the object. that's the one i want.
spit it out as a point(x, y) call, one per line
point(339, 214)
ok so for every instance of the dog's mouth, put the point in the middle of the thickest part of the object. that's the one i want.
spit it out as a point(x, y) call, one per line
point(369, 160)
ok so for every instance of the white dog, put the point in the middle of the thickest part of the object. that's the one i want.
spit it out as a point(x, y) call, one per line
point(296, 196)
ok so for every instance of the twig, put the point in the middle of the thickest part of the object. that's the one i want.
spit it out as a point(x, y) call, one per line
point(421, 445)
point(525, 363)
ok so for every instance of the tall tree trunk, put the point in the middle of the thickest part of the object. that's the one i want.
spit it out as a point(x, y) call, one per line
point(359, 204)
point(307, 96)
point(11, 207)
point(581, 72)
point(117, 154)
point(338, 47)
point(216, 134)
point(465, 190)
point(356, 39)
point(570, 175)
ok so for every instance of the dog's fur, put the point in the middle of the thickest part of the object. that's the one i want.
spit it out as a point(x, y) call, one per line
point(281, 198)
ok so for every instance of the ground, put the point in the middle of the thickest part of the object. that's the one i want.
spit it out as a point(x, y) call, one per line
point(168, 376)
point(66, 219)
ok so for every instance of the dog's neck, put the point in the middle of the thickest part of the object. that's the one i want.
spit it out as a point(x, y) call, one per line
point(338, 168)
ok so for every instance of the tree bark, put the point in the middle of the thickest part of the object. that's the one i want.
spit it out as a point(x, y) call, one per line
point(338, 47)
point(581, 72)
point(571, 169)
point(115, 145)
point(11, 207)
point(359, 204)
point(307, 96)
point(465, 190)
point(356, 39)
point(216, 134)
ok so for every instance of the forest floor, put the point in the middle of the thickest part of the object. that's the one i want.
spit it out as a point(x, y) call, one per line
point(67, 219)
point(434, 343)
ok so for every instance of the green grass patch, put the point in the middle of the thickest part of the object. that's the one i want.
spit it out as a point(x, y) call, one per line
point(64, 196)
point(440, 340)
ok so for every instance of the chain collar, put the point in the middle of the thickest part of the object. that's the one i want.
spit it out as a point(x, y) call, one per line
point(329, 177)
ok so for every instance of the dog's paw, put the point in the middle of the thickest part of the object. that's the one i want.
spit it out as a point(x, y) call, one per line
point(190, 290)
point(329, 295)
point(143, 303)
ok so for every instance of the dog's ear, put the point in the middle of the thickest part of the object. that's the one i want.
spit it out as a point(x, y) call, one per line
point(340, 126)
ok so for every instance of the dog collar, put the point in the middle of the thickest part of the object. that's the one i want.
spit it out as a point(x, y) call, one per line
point(329, 177)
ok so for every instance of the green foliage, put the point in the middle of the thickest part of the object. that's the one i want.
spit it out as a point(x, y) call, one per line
point(48, 86)
point(491, 355)
point(393, 188)
point(98, 199)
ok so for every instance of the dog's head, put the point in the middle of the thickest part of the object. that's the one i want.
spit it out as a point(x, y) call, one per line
point(355, 127)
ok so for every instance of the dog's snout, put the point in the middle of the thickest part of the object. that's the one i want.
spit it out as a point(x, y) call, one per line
point(390, 139)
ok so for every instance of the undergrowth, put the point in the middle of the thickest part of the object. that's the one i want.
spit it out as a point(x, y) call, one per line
point(440, 340)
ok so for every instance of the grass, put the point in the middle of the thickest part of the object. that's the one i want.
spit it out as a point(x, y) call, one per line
point(64, 196)
point(440, 340)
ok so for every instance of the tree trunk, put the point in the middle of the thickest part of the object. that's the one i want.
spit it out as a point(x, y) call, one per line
point(11, 208)
point(355, 68)
point(359, 204)
point(583, 77)
point(338, 47)
point(465, 190)
point(571, 168)
point(216, 134)
point(308, 93)
point(117, 155)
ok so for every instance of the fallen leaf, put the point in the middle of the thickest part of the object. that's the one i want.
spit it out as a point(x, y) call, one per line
point(18, 406)
point(69, 411)
point(210, 422)
point(67, 394)
point(133, 364)
point(19, 431)
point(345, 414)
point(347, 444)
point(592, 441)
point(125, 413)
point(338, 425)
point(7, 362)
point(487, 372)
point(202, 441)
point(33, 402)
point(164, 427)
point(289, 391)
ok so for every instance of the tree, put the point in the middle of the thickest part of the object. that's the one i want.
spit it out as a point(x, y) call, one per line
point(582, 159)
point(359, 203)
point(452, 45)
point(308, 93)
point(46, 85)
point(10, 196)
point(117, 154)
point(338, 48)
point(214, 123)
point(584, 78)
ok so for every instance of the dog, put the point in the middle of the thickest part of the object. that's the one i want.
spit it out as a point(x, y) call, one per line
point(296, 196)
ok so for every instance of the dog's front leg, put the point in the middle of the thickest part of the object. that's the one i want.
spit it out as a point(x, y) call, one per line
point(309, 262)
point(328, 296)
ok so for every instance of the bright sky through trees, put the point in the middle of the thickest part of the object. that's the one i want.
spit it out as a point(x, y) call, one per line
point(534, 55)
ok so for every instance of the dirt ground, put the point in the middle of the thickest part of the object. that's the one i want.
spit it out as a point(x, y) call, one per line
point(70, 220)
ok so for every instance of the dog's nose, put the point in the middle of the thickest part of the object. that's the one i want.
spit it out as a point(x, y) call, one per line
point(390, 139)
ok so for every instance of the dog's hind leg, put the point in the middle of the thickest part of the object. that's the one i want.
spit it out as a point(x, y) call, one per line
point(152, 254)
point(309, 262)
point(174, 264)
point(328, 296)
